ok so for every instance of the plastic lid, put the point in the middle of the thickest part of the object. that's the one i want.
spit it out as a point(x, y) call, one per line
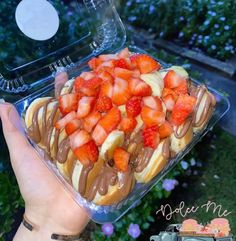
point(37, 36)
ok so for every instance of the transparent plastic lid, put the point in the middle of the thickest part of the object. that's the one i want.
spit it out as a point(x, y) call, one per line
point(37, 36)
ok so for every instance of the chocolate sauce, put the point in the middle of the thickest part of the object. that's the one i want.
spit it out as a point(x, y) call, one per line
point(83, 178)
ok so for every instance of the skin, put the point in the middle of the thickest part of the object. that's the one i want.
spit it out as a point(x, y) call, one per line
point(47, 205)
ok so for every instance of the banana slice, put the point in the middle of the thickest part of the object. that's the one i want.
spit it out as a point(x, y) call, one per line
point(115, 139)
point(122, 110)
point(156, 82)
point(178, 69)
point(67, 87)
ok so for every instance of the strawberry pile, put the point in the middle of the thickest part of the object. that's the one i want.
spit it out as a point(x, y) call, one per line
point(93, 109)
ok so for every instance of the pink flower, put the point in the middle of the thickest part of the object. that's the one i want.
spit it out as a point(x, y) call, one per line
point(107, 229)
point(134, 230)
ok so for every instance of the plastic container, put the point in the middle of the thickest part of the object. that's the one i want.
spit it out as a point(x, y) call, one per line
point(37, 81)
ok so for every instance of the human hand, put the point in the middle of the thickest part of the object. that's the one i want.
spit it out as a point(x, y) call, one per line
point(47, 205)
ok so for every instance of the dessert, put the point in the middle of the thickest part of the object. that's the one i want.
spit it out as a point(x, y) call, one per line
point(190, 226)
point(117, 124)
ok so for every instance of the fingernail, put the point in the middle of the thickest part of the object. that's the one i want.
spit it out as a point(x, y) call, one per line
point(2, 101)
point(60, 70)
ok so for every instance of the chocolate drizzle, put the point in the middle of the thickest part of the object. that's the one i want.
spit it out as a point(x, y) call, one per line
point(83, 178)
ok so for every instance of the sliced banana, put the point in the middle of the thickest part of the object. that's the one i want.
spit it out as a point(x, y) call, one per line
point(178, 69)
point(122, 109)
point(115, 139)
point(67, 86)
point(156, 82)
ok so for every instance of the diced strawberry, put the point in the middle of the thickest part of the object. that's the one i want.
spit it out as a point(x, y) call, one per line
point(122, 63)
point(90, 121)
point(128, 124)
point(88, 75)
point(134, 106)
point(173, 80)
point(121, 159)
point(165, 130)
point(169, 102)
point(93, 83)
point(111, 120)
point(123, 73)
point(182, 109)
point(121, 92)
point(68, 103)
point(106, 76)
point(108, 69)
point(79, 138)
point(85, 106)
point(146, 64)
point(106, 89)
point(65, 120)
point(136, 74)
point(94, 63)
point(124, 53)
point(87, 153)
point(107, 57)
point(133, 59)
point(72, 126)
point(151, 137)
point(152, 117)
point(80, 87)
point(99, 135)
point(139, 88)
point(182, 89)
point(103, 104)
point(153, 102)
point(167, 91)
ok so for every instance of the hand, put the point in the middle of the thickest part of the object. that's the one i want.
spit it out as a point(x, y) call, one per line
point(47, 205)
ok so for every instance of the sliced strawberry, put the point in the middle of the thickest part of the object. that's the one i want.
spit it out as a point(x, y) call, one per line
point(121, 159)
point(123, 73)
point(72, 126)
point(106, 89)
point(167, 91)
point(153, 102)
point(182, 88)
point(68, 103)
point(103, 104)
point(173, 80)
point(152, 117)
point(123, 63)
point(169, 102)
point(134, 106)
point(87, 153)
point(182, 109)
point(121, 92)
point(151, 137)
point(106, 76)
point(80, 86)
point(99, 135)
point(139, 88)
point(165, 130)
point(90, 121)
point(128, 124)
point(88, 75)
point(79, 138)
point(94, 63)
point(136, 73)
point(65, 120)
point(133, 59)
point(146, 64)
point(124, 53)
point(93, 83)
point(111, 120)
point(85, 106)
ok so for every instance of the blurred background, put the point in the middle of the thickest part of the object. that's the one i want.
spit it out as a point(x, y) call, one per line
point(201, 36)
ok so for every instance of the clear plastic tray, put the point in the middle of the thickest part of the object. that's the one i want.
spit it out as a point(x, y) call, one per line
point(103, 214)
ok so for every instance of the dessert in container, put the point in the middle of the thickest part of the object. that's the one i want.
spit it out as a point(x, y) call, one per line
point(86, 29)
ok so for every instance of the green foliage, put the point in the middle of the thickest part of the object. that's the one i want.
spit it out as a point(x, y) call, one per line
point(209, 25)
point(10, 201)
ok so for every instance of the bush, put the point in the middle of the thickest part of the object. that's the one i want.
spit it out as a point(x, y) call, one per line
point(209, 25)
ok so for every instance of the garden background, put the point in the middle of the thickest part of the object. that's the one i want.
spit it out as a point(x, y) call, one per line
point(206, 27)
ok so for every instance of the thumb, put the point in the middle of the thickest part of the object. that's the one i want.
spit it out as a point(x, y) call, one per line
point(18, 145)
